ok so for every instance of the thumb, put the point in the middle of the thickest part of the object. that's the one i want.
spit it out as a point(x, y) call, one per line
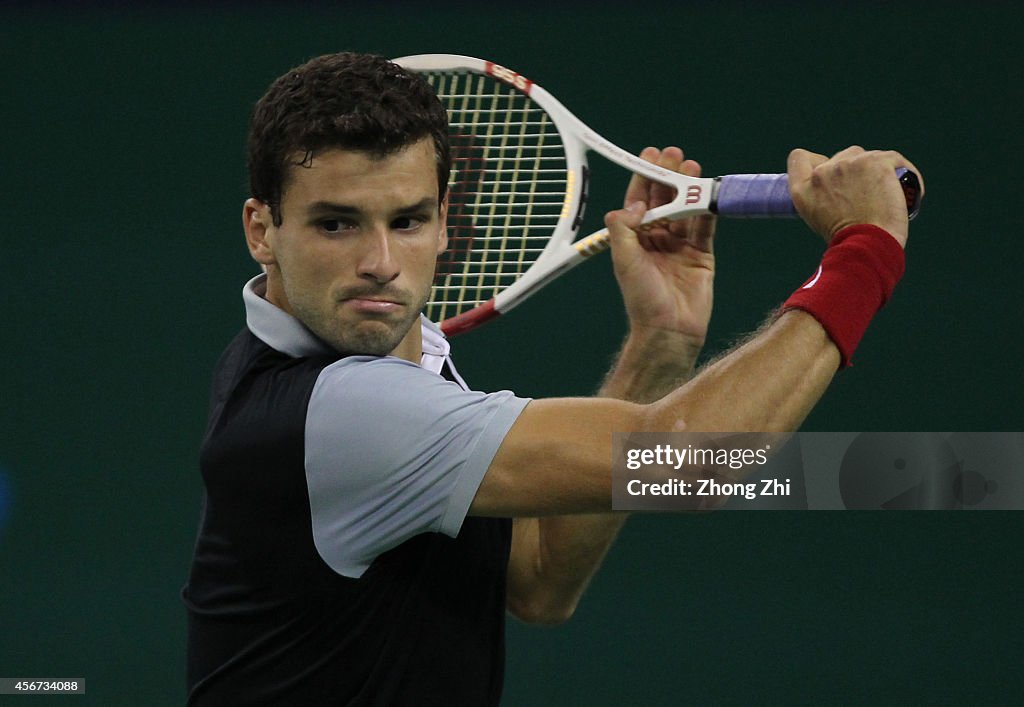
point(622, 225)
point(800, 164)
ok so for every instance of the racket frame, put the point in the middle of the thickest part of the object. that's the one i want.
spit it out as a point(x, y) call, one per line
point(741, 195)
point(693, 195)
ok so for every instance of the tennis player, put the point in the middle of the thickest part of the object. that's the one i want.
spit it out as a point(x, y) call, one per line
point(368, 518)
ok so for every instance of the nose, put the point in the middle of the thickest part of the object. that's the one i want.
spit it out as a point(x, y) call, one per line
point(376, 260)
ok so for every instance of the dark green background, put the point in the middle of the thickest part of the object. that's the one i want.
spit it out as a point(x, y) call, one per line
point(122, 182)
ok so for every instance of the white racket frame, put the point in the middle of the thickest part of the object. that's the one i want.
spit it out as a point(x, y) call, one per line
point(694, 195)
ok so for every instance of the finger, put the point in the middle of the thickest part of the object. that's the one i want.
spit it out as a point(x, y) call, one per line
point(639, 188)
point(691, 168)
point(698, 230)
point(647, 241)
point(622, 224)
point(851, 151)
point(801, 164)
point(671, 158)
point(702, 233)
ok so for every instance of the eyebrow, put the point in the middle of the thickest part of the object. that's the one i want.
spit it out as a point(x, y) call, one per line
point(332, 207)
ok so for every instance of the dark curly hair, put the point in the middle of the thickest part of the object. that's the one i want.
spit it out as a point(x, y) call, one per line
point(346, 100)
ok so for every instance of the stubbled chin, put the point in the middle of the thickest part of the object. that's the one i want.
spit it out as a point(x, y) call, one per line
point(371, 337)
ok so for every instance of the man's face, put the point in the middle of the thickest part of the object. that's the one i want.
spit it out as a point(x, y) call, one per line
point(354, 256)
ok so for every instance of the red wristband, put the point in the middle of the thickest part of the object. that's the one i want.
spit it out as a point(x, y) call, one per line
point(856, 277)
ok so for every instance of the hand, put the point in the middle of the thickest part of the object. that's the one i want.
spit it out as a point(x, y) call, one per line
point(853, 186)
point(665, 273)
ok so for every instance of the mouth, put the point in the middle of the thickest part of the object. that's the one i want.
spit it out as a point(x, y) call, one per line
point(372, 305)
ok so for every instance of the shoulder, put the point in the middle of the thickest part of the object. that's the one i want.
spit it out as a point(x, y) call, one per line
point(381, 376)
point(390, 390)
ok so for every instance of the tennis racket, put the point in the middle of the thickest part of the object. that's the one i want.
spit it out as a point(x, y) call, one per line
point(518, 188)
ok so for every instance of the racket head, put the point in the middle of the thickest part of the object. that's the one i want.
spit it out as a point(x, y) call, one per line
point(516, 191)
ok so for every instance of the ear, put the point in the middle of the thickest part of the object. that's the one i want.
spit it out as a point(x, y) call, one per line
point(442, 236)
point(258, 224)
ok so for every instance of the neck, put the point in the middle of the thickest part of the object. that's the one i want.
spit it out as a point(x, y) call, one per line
point(411, 347)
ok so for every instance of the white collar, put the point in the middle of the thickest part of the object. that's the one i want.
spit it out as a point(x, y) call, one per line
point(283, 332)
point(278, 329)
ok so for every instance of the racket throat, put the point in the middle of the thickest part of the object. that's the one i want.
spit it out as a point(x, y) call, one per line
point(584, 187)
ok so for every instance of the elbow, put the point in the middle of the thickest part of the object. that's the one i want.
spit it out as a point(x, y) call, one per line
point(541, 612)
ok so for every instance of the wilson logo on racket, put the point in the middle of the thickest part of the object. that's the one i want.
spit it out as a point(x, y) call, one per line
point(510, 77)
point(693, 194)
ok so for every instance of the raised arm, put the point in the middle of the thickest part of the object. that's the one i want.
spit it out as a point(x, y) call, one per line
point(668, 297)
point(556, 459)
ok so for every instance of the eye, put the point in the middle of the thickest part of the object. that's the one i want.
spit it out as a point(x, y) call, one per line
point(333, 226)
point(407, 223)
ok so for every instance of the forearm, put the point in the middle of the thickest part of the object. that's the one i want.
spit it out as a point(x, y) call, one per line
point(556, 458)
point(564, 552)
point(769, 384)
point(650, 365)
point(553, 560)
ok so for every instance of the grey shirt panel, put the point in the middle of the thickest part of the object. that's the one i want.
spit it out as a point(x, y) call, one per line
point(392, 451)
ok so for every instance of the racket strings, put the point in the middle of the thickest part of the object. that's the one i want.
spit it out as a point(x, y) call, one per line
point(506, 191)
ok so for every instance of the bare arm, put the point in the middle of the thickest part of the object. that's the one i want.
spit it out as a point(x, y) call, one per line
point(553, 558)
point(557, 457)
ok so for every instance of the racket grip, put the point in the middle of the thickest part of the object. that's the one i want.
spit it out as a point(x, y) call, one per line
point(753, 195)
point(765, 195)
